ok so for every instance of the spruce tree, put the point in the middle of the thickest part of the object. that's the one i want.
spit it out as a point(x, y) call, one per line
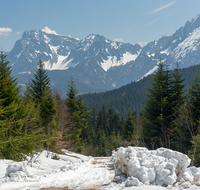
point(41, 82)
point(178, 91)
point(19, 132)
point(77, 110)
point(42, 95)
point(157, 111)
point(9, 91)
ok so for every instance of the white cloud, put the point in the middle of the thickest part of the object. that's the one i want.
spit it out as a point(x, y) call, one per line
point(70, 36)
point(118, 39)
point(5, 31)
point(17, 32)
point(162, 7)
point(49, 31)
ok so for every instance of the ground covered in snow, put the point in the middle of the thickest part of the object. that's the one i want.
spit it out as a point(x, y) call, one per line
point(128, 168)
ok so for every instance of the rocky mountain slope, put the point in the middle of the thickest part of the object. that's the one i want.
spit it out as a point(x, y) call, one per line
point(97, 63)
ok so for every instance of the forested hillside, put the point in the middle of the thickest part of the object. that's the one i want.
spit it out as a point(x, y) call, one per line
point(39, 119)
point(131, 95)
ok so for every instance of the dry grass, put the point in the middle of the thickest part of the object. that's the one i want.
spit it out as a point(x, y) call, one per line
point(68, 155)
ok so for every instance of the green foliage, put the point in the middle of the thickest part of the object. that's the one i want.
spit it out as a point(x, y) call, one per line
point(129, 127)
point(105, 132)
point(78, 112)
point(55, 157)
point(19, 132)
point(178, 91)
point(8, 85)
point(157, 110)
point(184, 125)
point(194, 96)
point(194, 153)
point(40, 83)
point(41, 94)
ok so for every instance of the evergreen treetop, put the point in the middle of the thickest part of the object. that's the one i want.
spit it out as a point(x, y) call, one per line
point(41, 82)
point(157, 111)
point(8, 85)
point(77, 110)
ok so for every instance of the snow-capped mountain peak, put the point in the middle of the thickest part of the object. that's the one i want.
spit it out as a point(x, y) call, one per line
point(98, 61)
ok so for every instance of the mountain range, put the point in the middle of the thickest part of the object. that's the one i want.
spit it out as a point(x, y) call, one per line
point(98, 64)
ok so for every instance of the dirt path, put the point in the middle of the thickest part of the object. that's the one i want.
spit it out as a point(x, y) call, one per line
point(98, 168)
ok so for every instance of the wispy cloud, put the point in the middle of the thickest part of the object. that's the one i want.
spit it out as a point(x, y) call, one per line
point(5, 31)
point(162, 7)
point(129, 31)
point(17, 32)
point(154, 21)
point(118, 39)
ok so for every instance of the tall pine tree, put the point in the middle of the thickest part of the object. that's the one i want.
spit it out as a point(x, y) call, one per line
point(19, 133)
point(157, 111)
point(42, 95)
point(78, 113)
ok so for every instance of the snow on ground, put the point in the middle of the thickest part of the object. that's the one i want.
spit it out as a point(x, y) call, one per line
point(76, 171)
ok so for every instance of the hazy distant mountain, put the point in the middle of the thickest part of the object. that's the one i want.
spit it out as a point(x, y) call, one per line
point(97, 63)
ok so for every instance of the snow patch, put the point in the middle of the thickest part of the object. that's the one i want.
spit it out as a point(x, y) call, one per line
point(112, 60)
point(61, 63)
point(162, 167)
point(149, 72)
point(46, 39)
point(24, 72)
point(167, 51)
point(19, 54)
point(38, 51)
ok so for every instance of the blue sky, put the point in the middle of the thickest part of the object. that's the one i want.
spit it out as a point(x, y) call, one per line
point(130, 21)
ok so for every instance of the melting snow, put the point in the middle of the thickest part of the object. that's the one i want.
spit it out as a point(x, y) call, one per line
point(77, 171)
point(19, 54)
point(37, 51)
point(61, 63)
point(167, 51)
point(112, 61)
point(161, 167)
point(149, 72)
point(46, 39)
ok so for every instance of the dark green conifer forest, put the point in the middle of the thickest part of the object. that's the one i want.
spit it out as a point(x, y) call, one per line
point(161, 110)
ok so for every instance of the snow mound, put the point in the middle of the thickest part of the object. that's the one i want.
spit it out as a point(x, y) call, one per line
point(18, 172)
point(136, 166)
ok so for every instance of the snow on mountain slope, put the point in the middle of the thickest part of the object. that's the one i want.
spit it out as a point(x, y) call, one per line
point(113, 62)
point(100, 63)
point(189, 45)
